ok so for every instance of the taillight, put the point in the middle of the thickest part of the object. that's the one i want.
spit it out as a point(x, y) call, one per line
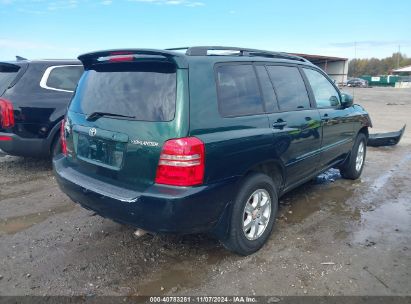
point(5, 138)
point(6, 114)
point(63, 138)
point(181, 162)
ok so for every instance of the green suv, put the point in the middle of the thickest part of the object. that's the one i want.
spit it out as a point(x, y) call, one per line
point(203, 139)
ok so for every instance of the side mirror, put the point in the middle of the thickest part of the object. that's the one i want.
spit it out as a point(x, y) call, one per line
point(347, 100)
point(334, 101)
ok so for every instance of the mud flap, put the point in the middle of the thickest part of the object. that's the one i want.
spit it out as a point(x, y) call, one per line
point(385, 139)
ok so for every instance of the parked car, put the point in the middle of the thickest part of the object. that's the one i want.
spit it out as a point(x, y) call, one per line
point(190, 142)
point(33, 100)
point(357, 82)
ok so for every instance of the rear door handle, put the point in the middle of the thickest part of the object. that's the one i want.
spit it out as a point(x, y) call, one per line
point(279, 124)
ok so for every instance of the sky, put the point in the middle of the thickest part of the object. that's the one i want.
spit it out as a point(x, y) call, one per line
point(64, 29)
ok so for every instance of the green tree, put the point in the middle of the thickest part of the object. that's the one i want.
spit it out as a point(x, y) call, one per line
point(375, 66)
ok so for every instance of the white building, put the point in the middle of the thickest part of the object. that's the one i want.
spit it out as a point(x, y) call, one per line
point(403, 71)
point(335, 67)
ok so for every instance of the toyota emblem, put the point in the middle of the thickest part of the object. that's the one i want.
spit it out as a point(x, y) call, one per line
point(92, 132)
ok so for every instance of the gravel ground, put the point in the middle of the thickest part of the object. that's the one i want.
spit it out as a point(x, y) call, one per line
point(333, 236)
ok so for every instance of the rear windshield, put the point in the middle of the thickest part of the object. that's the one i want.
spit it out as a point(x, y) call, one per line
point(145, 91)
point(7, 75)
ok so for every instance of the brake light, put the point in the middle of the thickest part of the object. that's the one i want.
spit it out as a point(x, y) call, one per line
point(6, 114)
point(181, 162)
point(121, 56)
point(5, 138)
point(63, 138)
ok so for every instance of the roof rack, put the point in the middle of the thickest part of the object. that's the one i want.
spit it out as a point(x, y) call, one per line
point(203, 51)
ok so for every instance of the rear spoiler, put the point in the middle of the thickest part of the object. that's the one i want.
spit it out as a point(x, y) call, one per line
point(99, 57)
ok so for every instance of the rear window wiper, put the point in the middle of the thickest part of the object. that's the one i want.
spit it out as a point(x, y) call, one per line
point(96, 115)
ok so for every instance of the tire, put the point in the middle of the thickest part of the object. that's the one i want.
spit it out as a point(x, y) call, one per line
point(253, 191)
point(353, 166)
point(55, 148)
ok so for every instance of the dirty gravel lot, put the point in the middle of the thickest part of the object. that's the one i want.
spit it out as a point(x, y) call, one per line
point(333, 236)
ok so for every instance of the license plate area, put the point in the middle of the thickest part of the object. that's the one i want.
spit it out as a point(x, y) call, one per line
point(100, 151)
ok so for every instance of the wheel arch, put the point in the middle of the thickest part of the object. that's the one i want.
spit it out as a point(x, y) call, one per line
point(273, 168)
point(53, 135)
point(364, 130)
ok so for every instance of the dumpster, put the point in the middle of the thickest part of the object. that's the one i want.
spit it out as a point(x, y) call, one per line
point(382, 80)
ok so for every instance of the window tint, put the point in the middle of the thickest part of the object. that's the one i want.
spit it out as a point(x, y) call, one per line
point(324, 92)
point(145, 91)
point(64, 78)
point(7, 74)
point(290, 88)
point(238, 91)
point(267, 89)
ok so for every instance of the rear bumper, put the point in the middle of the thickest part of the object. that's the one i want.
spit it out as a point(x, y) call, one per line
point(158, 209)
point(34, 147)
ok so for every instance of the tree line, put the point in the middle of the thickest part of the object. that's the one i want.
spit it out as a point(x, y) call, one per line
point(375, 66)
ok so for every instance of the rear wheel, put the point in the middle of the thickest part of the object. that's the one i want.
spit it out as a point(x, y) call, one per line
point(55, 148)
point(253, 215)
point(353, 166)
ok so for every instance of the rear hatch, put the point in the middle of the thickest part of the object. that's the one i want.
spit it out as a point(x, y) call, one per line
point(124, 109)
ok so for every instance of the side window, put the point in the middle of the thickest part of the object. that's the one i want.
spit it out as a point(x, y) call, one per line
point(266, 89)
point(290, 88)
point(324, 92)
point(238, 91)
point(62, 77)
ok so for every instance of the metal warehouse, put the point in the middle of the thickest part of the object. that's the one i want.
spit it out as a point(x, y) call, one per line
point(335, 67)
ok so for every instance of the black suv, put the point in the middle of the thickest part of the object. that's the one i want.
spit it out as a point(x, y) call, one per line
point(204, 140)
point(33, 100)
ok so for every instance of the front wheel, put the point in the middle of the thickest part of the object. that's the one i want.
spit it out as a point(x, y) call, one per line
point(353, 166)
point(253, 215)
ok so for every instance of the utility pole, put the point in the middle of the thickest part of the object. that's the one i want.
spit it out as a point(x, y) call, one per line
point(355, 58)
point(355, 65)
point(398, 56)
